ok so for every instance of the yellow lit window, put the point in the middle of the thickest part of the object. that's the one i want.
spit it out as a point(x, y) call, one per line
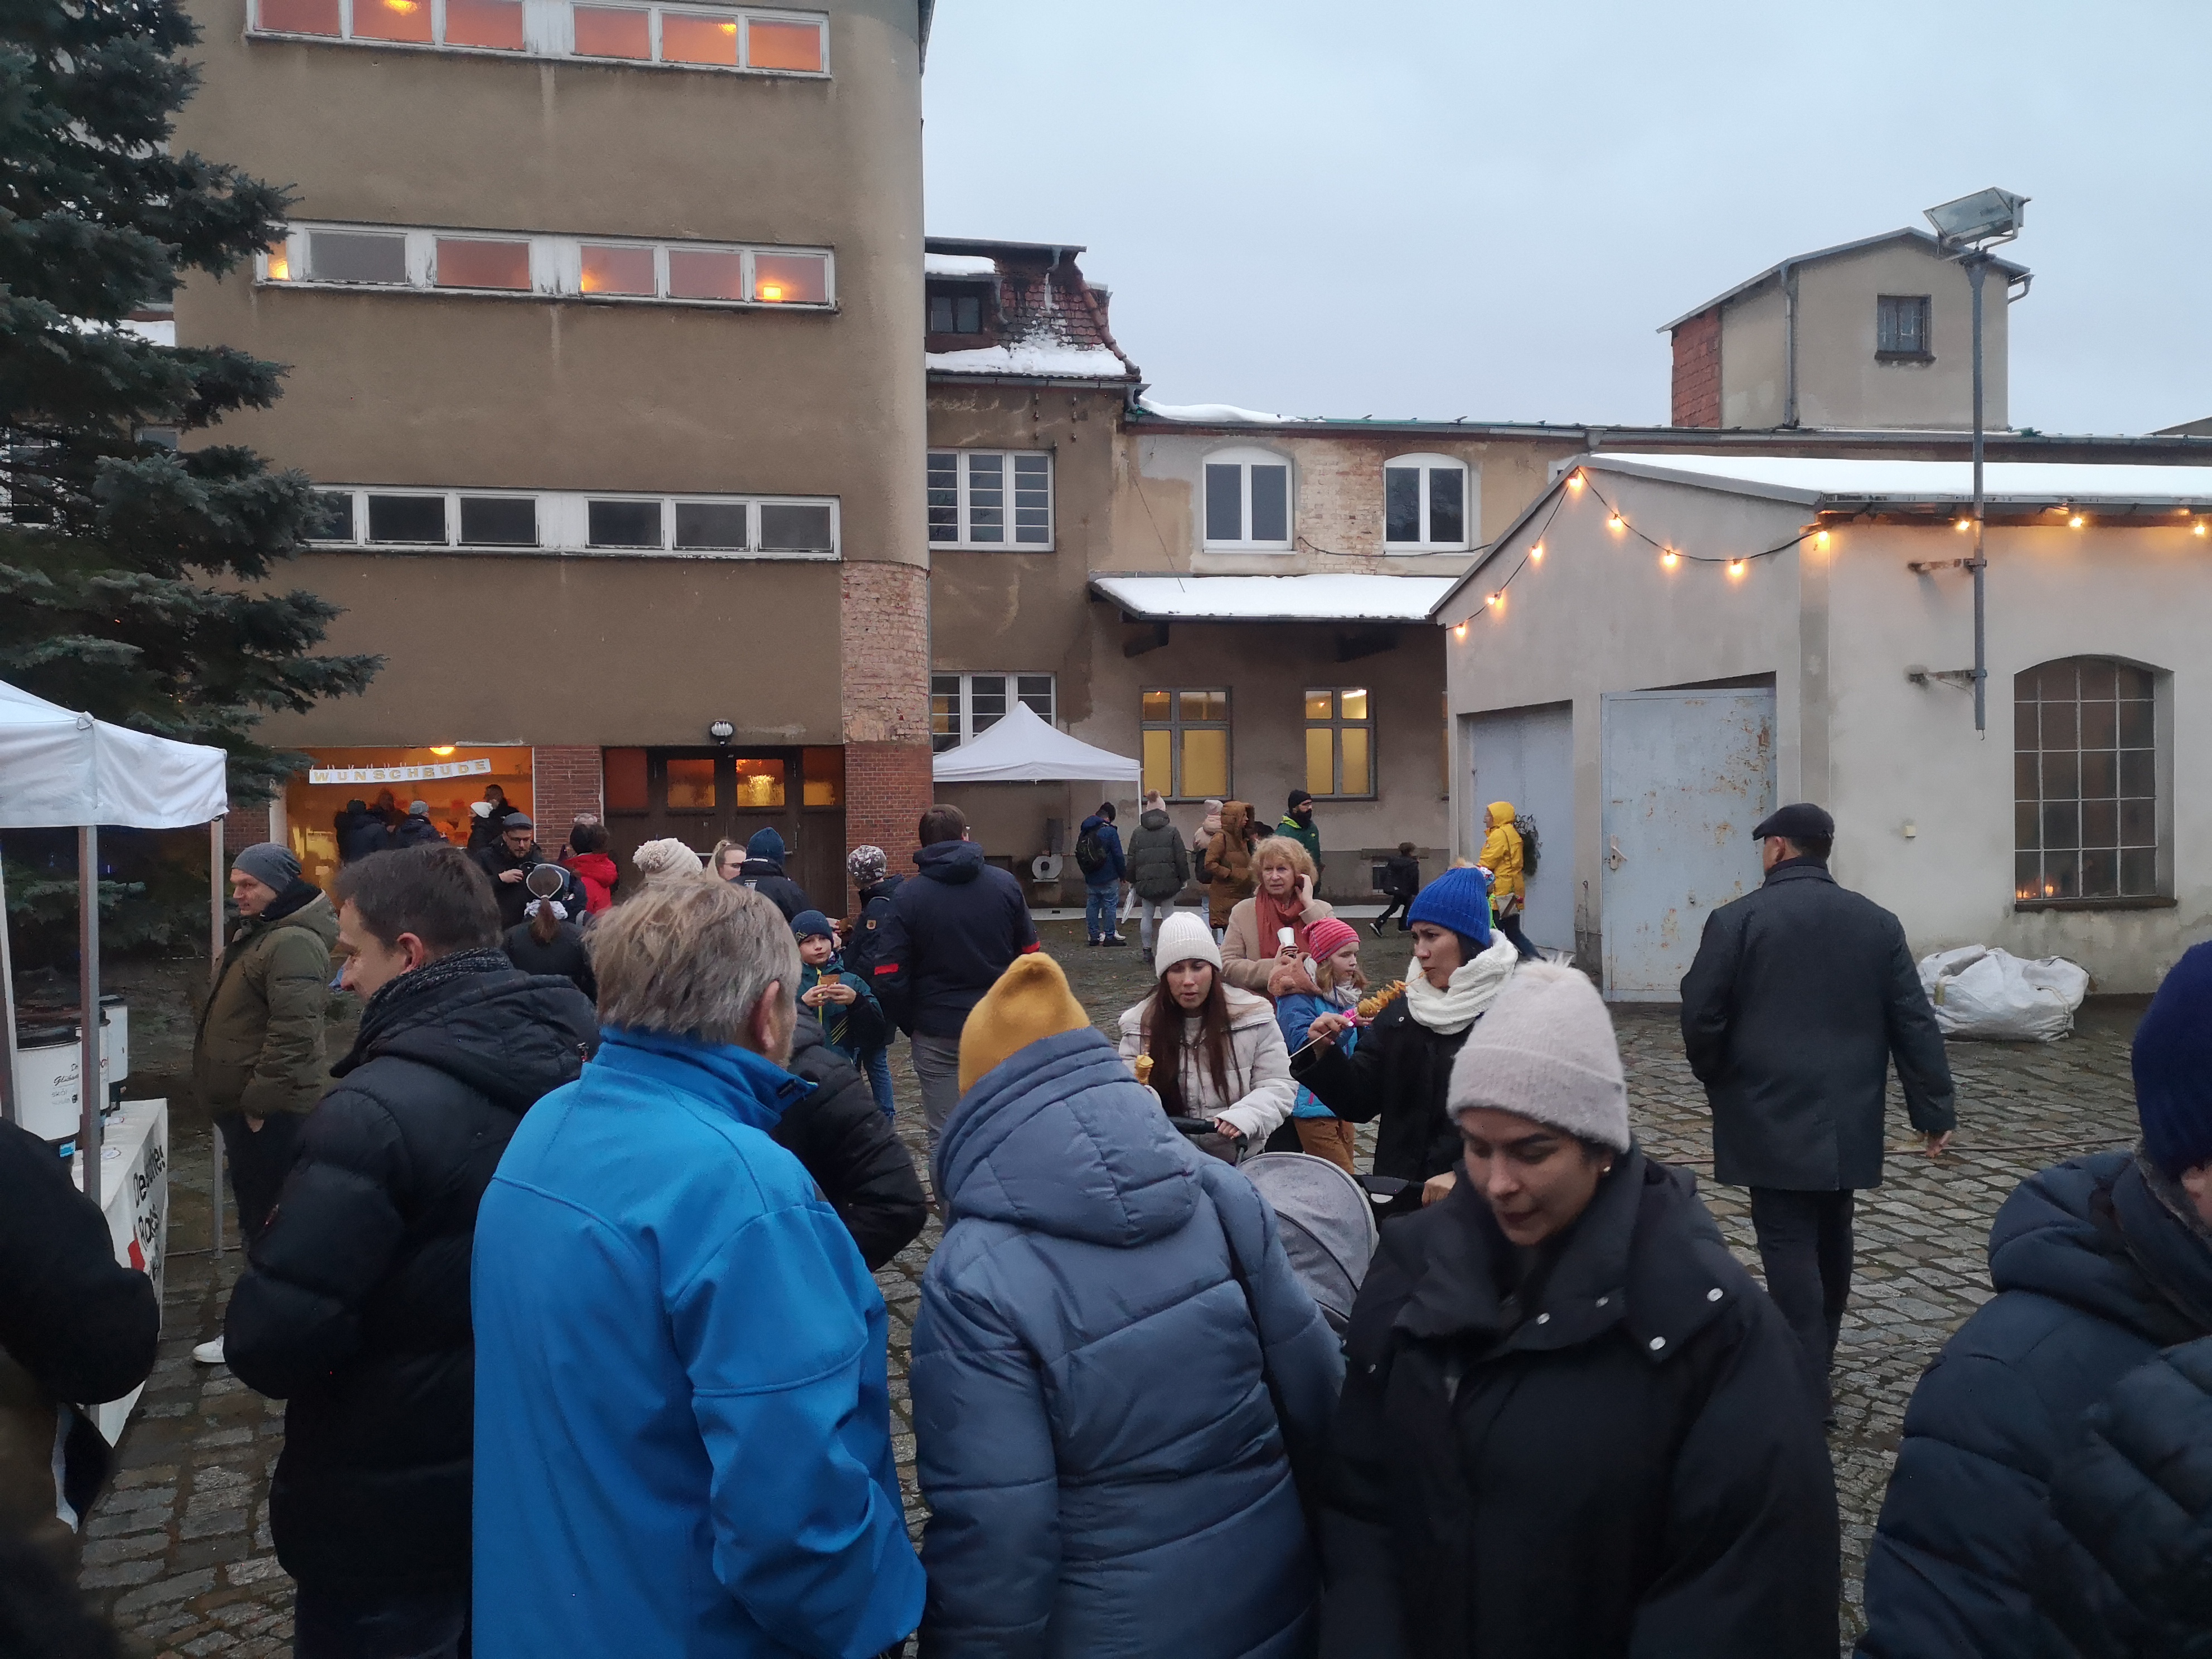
point(692, 37)
point(1186, 743)
point(1339, 742)
point(393, 20)
point(496, 24)
point(280, 262)
point(801, 279)
point(617, 269)
point(780, 46)
point(823, 770)
point(760, 784)
point(691, 786)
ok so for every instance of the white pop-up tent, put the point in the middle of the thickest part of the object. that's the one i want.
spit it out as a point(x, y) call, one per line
point(1021, 748)
point(61, 769)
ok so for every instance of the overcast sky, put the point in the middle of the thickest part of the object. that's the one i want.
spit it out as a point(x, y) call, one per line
point(1456, 207)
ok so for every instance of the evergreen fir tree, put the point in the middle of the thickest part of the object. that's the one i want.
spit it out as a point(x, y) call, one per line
point(134, 573)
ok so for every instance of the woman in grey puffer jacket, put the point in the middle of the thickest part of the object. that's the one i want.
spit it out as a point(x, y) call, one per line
point(1158, 865)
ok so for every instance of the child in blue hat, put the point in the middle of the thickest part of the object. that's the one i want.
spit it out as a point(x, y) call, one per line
point(852, 1019)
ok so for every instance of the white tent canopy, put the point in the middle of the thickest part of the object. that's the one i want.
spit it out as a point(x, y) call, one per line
point(1021, 748)
point(61, 768)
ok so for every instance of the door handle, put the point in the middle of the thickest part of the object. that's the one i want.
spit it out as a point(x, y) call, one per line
point(1613, 859)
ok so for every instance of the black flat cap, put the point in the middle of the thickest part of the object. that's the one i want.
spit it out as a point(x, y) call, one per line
point(1801, 821)
point(522, 821)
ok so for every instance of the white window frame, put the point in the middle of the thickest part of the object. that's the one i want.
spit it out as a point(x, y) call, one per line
point(556, 266)
point(564, 524)
point(548, 30)
point(1427, 466)
point(1245, 460)
point(964, 710)
point(1011, 462)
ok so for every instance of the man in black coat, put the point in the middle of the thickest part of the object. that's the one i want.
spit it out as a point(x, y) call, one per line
point(848, 1146)
point(1802, 993)
point(762, 871)
point(355, 1307)
point(509, 861)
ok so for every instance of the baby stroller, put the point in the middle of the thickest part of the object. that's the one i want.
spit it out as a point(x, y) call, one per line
point(1327, 1222)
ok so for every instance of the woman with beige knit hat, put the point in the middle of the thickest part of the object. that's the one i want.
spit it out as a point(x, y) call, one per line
point(1572, 1424)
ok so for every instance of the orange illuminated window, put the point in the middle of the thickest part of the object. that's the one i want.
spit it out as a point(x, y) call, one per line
point(760, 783)
point(393, 20)
point(494, 23)
point(801, 279)
point(695, 274)
point(280, 263)
point(691, 38)
point(467, 262)
point(613, 32)
point(624, 781)
point(824, 772)
point(691, 786)
point(617, 270)
point(783, 45)
point(301, 16)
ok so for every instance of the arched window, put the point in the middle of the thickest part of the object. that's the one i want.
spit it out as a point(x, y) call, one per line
point(1425, 504)
point(2086, 742)
point(1248, 500)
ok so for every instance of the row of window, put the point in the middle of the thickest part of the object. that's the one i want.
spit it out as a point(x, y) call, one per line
point(635, 778)
point(990, 498)
point(678, 37)
point(1250, 503)
point(963, 706)
point(485, 262)
point(709, 526)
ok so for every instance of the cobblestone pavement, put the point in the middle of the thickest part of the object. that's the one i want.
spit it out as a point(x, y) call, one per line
point(179, 1554)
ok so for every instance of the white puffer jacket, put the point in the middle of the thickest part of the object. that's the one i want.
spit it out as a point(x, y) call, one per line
point(1260, 1092)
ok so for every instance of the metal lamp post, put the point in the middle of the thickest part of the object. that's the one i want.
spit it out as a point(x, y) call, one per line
point(1967, 230)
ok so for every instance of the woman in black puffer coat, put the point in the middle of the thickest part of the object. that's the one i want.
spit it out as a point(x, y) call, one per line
point(849, 1148)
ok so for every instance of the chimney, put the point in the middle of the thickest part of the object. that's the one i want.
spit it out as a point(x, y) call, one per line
point(1697, 400)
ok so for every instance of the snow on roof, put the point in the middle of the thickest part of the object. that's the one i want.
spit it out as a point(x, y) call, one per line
point(959, 265)
point(1816, 480)
point(1046, 357)
point(1217, 414)
point(1328, 597)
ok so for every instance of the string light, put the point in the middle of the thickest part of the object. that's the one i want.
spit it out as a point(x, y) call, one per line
point(1670, 558)
point(1574, 481)
point(1495, 600)
point(1735, 569)
point(1460, 631)
point(1616, 522)
point(1822, 540)
point(2196, 529)
point(2076, 521)
point(1963, 524)
point(1536, 553)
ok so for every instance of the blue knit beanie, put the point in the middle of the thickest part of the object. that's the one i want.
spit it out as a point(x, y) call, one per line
point(2173, 1066)
point(1458, 899)
point(811, 924)
point(765, 844)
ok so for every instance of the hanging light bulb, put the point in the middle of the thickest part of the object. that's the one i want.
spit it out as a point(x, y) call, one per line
point(1574, 481)
point(1495, 600)
point(1616, 523)
point(1822, 541)
point(1670, 558)
point(2075, 522)
point(2196, 529)
point(1736, 568)
point(1459, 630)
point(1963, 524)
point(1536, 553)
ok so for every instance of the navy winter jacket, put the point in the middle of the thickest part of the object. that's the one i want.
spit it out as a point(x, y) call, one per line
point(2094, 1275)
point(1109, 839)
point(1105, 1473)
point(951, 933)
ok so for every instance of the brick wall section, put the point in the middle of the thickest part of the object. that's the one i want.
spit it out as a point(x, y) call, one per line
point(242, 827)
point(1697, 399)
point(564, 782)
point(885, 635)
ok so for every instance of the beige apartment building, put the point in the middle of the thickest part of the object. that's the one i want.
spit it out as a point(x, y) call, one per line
point(604, 326)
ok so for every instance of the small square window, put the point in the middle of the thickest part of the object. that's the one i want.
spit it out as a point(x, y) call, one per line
point(699, 274)
point(696, 37)
point(791, 279)
point(691, 786)
point(301, 16)
point(356, 256)
point(821, 774)
point(613, 32)
point(407, 519)
point(787, 527)
point(330, 517)
point(496, 24)
point(623, 784)
point(1900, 327)
point(623, 524)
point(941, 313)
point(710, 523)
point(760, 783)
point(498, 522)
point(393, 20)
point(617, 270)
point(944, 495)
point(781, 45)
point(465, 262)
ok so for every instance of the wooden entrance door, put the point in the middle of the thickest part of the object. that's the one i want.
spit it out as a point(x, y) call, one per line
point(701, 796)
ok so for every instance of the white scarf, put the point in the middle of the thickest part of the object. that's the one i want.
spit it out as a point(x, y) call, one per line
point(1474, 986)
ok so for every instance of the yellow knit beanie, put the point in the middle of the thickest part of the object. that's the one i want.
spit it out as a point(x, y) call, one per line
point(1029, 1003)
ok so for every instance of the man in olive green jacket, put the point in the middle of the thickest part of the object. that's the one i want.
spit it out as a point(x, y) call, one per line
point(257, 1062)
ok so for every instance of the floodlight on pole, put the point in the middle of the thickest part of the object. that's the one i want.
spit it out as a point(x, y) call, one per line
point(1966, 229)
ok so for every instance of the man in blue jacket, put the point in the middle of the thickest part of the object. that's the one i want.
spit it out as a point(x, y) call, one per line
point(683, 1417)
point(1099, 855)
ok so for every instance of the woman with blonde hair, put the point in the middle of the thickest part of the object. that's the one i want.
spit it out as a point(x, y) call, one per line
point(1254, 955)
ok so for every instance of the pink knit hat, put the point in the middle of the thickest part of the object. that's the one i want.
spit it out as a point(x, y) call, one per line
point(1325, 938)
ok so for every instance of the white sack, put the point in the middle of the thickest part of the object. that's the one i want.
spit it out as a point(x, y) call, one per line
point(1979, 991)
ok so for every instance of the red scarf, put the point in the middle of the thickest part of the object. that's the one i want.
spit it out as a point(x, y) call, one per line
point(1273, 916)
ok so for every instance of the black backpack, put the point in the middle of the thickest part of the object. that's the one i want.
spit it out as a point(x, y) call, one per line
point(1526, 828)
point(1091, 853)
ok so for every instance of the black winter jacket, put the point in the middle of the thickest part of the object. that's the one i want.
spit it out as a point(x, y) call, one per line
point(1401, 877)
point(1802, 992)
point(1158, 863)
point(512, 897)
point(2095, 1274)
point(355, 1304)
point(766, 877)
point(416, 832)
point(861, 950)
point(564, 959)
point(1614, 1455)
point(1399, 1071)
point(951, 933)
point(848, 1146)
point(359, 834)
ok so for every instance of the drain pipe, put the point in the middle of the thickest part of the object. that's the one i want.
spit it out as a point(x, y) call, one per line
point(1790, 343)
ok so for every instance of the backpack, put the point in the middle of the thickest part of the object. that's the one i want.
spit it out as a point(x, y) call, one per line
point(1090, 852)
point(1526, 828)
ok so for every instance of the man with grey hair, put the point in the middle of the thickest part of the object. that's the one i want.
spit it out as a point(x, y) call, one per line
point(682, 1412)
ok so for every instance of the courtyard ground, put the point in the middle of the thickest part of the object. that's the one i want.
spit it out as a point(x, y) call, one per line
point(179, 1554)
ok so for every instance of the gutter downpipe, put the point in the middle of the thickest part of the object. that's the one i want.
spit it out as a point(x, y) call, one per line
point(1790, 343)
point(1977, 265)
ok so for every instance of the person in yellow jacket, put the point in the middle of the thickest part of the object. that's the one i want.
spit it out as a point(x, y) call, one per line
point(1509, 889)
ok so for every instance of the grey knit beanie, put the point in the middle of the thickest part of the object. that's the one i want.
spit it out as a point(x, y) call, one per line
point(1545, 1051)
point(268, 863)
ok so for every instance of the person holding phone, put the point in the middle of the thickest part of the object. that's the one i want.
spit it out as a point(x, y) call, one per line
point(1255, 954)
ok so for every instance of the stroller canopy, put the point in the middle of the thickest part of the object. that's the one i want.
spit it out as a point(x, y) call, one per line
point(1327, 1222)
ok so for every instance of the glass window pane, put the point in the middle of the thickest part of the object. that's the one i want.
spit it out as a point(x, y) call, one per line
point(710, 523)
point(943, 712)
point(760, 784)
point(2138, 775)
point(2028, 876)
point(987, 702)
point(624, 780)
point(967, 314)
point(822, 773)
point(695, 274)
point(467, 263)
point(787, 527)
point(1206, 763)
point(1156, 705)
point(1355, 705)
point(2026, 824)
point(1033, 499)
point(1196, 706)
point(2138, 824)
point(494, 23)
point(2136, 725)
point(2100, 874)
point(1036, 690)
point(1401, 504)
point(498, 522)
point(330, 517)
point(2101, 772)
point(1321, 705)
point(617, 269)
point(1321, 760)
point(2099, 726)
point(613, 32)
point(691, 786)
point(791, 279)
point(2061, 824)
point(1271, 503)
point(1447, 505)
point(2026, 727)
point(624, 524)
point(2025, 783)
point(2062, 875)
point(944, 495)
point(692, 37)
point(2024, 684)
point(2097, 677)
point(1156, 764)
point(391, 19)
point(1217, 705)
point(2100, 823)
point(1356, 780)
point(2058, 682)
point(407, 519)
point(941, 313)
point(2062, 776)
point(987, 498)
point(2061, 727)
point(301, 16)
point(1225, 502)
point(354, 256)
point(2133, 682)
point(2139, 872)
point(778, 45)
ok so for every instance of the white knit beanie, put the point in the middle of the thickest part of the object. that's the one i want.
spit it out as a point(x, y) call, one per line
point(1545, 1051)
point(666, 857)
point(1184, 936)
